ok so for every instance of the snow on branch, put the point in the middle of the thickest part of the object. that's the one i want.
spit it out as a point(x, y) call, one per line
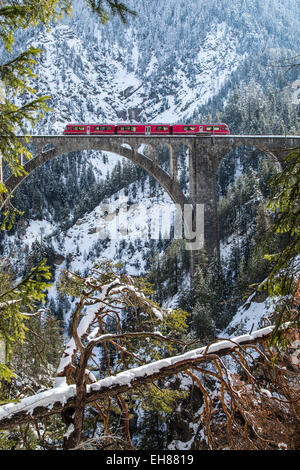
point(55, 400)
point(102, 298)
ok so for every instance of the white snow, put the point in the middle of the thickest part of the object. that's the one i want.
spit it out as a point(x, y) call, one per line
point(250, 316)
point(62, 392)
point(37, 230)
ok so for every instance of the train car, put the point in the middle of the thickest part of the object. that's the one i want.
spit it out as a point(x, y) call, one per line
point(131, 129)
point(89, 129)
point(175, 129)
point(204, 129)
point(75, 129)
point(103, 129)
point(143, 129)
point(135, 129)
point(216, 129)
point(147, 129)
point(158, 129)
point(185, 129)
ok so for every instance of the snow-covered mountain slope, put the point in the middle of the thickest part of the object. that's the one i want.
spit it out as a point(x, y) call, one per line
point(162, 66)
point(119, 229)
point(251, 316)
point(104, 84)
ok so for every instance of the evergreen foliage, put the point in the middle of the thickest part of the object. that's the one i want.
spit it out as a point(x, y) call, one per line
point(255, 106)
point(116, 7)
point(16, 73)
point(219, 287)
point(283, 280)
point(14, 77)
point(140, 325)
point(18, 299)
point(169, 270)
point(34, 361)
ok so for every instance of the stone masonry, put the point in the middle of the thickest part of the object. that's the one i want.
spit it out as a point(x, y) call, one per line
point(205, 154)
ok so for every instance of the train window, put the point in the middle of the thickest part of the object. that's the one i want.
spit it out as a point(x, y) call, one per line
point(102, 128)
point(162, 128)
point(188, 128)
point(209, 128)
point(78, 128)
point(216, 128)
point(127, 128)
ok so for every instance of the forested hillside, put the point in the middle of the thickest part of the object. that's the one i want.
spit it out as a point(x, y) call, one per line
point(175, 61)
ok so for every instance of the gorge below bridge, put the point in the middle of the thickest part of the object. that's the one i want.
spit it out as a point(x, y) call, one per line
point(205, 155)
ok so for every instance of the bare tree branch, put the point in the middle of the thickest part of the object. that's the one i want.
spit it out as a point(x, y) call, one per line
point(59, 398)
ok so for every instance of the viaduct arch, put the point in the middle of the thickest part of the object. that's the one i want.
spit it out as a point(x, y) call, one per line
point(205, 154)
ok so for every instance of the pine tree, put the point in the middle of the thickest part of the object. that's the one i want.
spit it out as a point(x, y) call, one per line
point(283, 280)
point(15, 75)
point(115, 6)
point(17, 301)
point(202, 322)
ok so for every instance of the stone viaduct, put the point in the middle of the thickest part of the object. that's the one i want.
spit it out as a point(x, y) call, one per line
point(205, 154)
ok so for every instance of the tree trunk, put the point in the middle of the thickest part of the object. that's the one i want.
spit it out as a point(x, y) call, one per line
point(72, 436)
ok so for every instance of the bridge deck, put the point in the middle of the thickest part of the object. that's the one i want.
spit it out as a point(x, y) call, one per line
point(122, 136)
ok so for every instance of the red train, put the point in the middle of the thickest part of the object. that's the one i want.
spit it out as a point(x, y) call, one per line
point(147, 129)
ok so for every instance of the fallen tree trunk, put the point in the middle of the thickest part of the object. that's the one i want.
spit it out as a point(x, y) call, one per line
point(63, 396)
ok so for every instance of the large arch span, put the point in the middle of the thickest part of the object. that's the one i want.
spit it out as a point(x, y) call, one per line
point(205, 154)
point(50, 147)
